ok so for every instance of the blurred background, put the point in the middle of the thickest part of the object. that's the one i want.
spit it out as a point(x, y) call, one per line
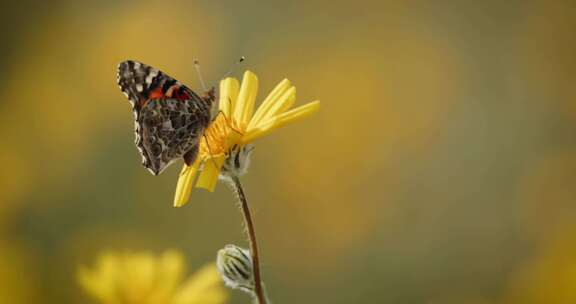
point(440, 169)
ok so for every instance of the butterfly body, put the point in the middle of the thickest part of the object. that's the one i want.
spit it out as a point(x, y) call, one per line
point(169, 117)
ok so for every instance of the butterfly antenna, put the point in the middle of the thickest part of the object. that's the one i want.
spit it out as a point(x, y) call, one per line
point(237, 63)
point(210, 151)
point(197, 67)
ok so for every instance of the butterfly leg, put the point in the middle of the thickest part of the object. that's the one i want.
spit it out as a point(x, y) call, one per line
point(190, 156)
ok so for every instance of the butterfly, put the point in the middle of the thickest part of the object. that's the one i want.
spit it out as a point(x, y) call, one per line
point(169, 117)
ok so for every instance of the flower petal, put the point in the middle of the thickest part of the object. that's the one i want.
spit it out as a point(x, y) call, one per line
point(169, 275)
point(228, 95)
point(137, 276)
point(279, 120)
point(102, 281)
point(204, 287)
point(185, 183)
point(284, 103)
point(209, 175)
point(270, 100)
point(245, 104)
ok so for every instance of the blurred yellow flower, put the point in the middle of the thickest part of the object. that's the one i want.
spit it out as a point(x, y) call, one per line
point(236, 126)
point(142, 278)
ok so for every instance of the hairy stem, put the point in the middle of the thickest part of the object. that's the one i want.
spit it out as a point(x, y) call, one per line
point(258, 289)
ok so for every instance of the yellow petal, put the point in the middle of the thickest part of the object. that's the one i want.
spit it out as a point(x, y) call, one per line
point(101, 282)
point(168, 276)
point(209, 175)
point(233, 139)
point(277, 121)
point(228, 95)
point(282, 104)
point(137, 271)
point(245, 104)
point(185, 183)
point(204, 287)
point(270, 100)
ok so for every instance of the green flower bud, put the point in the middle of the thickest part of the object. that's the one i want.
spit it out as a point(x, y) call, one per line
point(235, 267)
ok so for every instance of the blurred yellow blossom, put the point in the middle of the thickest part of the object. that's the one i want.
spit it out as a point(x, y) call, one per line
point(143, 278)
point(238, 125)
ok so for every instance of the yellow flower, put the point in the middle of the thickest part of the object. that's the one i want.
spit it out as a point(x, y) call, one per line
point(236, 126)
point(142, 278)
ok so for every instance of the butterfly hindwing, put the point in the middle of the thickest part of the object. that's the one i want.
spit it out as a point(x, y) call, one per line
point(169, 117)
point(169, 129)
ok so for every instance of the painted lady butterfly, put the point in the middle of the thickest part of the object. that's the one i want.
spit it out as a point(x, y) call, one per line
point(169, 117)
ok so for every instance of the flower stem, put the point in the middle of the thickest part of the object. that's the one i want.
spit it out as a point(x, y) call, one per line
point(258, 289)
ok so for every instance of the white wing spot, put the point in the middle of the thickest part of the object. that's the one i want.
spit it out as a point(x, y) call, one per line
point(139, 87)
point(150, 169)
point(153, 73)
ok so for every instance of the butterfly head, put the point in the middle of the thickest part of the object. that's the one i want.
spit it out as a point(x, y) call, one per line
point(210, 96)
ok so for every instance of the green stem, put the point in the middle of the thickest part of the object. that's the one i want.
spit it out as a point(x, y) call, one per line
point(258, 289)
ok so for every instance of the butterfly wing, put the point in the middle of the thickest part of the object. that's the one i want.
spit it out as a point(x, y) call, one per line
point(169, 129)
point(169, 117)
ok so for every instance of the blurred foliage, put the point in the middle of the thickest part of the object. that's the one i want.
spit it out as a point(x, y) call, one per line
point(439, 170)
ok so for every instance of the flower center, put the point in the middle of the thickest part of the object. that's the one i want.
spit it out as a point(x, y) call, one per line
point(219, 137)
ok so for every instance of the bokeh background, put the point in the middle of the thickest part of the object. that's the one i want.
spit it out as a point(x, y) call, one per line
point(441, 167)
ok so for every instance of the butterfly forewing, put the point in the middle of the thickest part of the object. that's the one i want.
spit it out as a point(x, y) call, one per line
point(169, 117)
